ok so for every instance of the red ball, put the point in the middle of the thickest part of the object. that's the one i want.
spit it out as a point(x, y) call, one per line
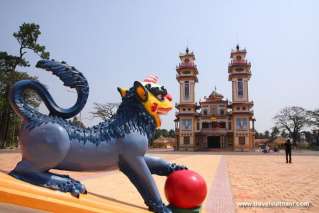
point(185, 189)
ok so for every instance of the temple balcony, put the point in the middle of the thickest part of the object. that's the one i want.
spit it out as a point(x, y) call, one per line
point(186, 65)
point(180, 76)
point(214, 130)
point(239, 62)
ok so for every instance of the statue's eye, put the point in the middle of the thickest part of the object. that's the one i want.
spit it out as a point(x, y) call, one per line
point(155, 91)
point(164, 92)
point(160, 97)
point(148, 86)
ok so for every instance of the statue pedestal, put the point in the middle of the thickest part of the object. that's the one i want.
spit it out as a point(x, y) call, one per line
point(13, 191)
point(180, 210)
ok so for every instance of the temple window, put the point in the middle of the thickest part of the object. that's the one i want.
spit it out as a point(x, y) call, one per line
point(240, 88)
point(186, 89)
point(205, 125)
point(241, 140)
point(187, 140)
point(242, 123)
point(186, 124)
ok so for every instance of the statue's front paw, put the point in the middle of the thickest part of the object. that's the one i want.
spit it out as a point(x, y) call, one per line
point(158, 207)
point(166, 209)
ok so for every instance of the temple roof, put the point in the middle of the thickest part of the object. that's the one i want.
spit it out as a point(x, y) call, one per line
point(215, 94)
point(187, 53)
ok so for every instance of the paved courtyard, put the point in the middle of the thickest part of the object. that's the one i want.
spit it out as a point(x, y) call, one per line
point(231, 178)
point(264, 178)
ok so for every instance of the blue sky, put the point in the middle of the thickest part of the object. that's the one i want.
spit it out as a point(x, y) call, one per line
point(116, 42)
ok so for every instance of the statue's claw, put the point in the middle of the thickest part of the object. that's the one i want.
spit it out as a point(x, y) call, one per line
point(75, 192)
point(61, 183)
point(158, 207)
point(74, 187)
point(175, 167)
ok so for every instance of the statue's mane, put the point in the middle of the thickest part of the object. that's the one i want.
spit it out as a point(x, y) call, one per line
point(131, 116)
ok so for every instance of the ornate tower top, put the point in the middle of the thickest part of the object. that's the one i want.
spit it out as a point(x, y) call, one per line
point(239, 73)
point(238, 66)
point(187, 66)
point(238, 52)
point(187, 56)
point(187, 76)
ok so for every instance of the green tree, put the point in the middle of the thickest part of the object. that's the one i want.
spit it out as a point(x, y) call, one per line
point(27, 37)
point(267, 134)
point(171, 133)
point(163, 133)
point(274, 132)
point(258, 135)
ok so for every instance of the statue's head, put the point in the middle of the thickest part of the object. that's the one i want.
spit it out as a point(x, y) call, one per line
point(152, 96)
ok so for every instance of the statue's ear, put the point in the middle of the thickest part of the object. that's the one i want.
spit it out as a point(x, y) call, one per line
point(122, 91)
point(140, 91)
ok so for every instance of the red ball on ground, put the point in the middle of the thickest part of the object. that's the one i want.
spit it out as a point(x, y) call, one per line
point(185, 189)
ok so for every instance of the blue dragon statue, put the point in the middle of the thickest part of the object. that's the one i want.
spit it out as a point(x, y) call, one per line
point(52, 142)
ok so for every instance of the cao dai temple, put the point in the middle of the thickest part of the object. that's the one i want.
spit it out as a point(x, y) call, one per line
point(215, 123)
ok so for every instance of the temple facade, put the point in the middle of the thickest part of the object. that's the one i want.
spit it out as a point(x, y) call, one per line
point(214, 123)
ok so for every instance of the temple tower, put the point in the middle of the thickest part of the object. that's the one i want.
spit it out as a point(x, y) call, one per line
point(242, 119)
point(186, 119)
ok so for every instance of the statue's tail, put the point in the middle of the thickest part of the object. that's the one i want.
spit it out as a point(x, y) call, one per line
point(71, 78)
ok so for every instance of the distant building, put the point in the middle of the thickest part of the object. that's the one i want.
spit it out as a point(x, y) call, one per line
point(214, 123)
point(167, 143)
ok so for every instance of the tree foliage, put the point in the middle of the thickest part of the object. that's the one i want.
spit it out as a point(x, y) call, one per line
point(293, 119)
point(283, 133)
point(104, 111)
point(27, 38)
point(274, 132)
point(164, 133)
point(314, 118)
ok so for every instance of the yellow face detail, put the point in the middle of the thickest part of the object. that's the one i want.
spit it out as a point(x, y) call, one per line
point(155, 101)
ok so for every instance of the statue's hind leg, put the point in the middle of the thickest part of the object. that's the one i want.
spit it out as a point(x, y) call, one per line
point(25, 171)
point(44, 148)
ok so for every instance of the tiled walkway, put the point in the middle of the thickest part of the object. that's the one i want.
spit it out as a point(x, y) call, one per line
point(220, 197)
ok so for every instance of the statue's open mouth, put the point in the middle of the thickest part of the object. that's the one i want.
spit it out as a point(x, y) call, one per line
point(163, 111)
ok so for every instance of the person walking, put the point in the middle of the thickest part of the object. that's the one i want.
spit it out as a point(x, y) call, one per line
point(288, 151)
